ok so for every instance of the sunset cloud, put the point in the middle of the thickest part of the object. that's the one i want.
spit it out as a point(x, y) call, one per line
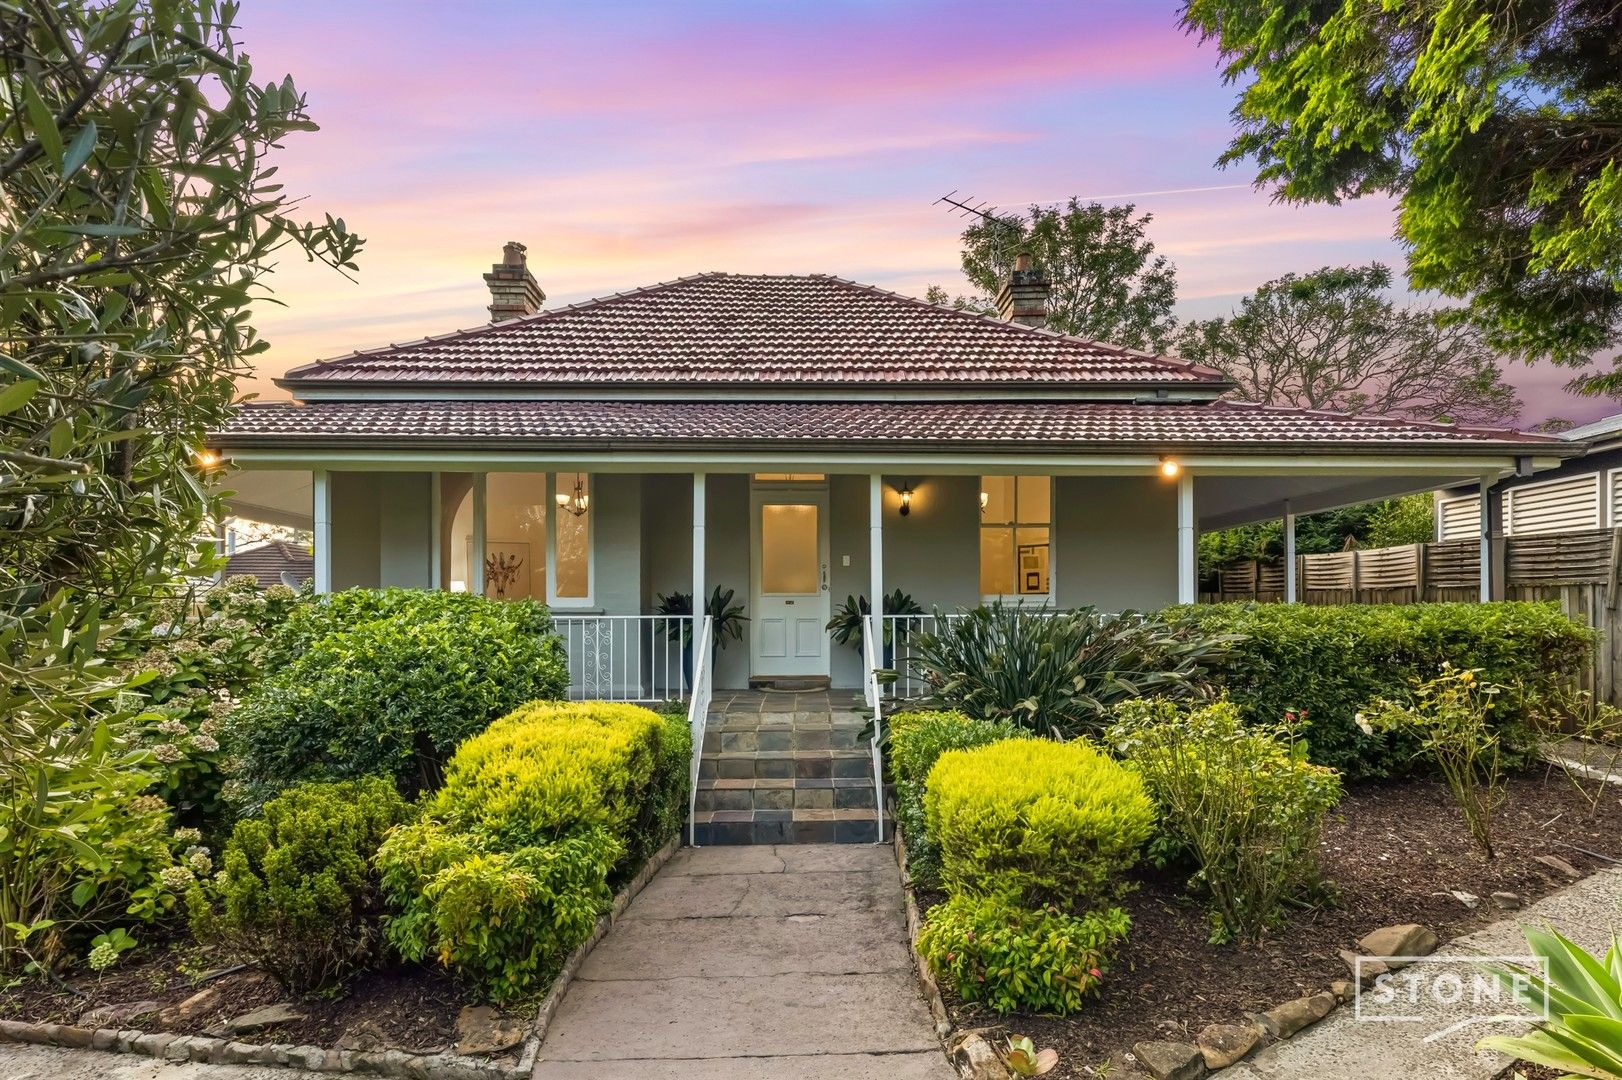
point(633, 142)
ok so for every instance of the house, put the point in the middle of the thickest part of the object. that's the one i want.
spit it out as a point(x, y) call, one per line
point(795, 439)
point(1582, 494)
point(275, 562)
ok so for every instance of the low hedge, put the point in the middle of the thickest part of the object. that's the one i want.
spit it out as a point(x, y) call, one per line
point(1035, 822)
point(296, 894)
point(1331, 661)
point(538, 817)
point(388, 683)
point(916, 740)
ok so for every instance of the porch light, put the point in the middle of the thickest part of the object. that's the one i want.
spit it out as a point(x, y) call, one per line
point(985, 501)
point(906, 499)
point(207, 459)
point(579, 502)
point(1169, 467)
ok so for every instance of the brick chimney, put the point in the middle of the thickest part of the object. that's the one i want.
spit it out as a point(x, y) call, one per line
point(514, 292)
point(1023, 298)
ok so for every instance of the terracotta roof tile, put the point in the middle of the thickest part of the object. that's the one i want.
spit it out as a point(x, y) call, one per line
point(268, 562)
point(716, 329)
point(1222, 423)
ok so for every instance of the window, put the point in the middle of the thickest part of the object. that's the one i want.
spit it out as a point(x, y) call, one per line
point(572, 538)
point(1016, 536)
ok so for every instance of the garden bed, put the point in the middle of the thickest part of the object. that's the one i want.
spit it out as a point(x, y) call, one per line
point(408, 1008)
point(1395, 852)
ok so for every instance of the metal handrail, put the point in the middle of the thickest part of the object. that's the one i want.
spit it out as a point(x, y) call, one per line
point(698, 714)
point(872, 635)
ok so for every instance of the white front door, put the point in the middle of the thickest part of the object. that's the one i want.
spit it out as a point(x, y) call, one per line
point(789, 614)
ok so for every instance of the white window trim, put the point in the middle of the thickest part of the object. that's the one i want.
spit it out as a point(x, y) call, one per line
point(1507, 502)
point(1031, 599)
point(1608, 509)
point(553, 513)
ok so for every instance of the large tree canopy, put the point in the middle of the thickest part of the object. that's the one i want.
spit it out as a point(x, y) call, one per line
point(1333, 339)
point(1497, 126)
point(1106, 281)
point(139, 214)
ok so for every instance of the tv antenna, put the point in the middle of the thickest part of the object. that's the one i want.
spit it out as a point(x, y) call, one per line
point(1008, 238)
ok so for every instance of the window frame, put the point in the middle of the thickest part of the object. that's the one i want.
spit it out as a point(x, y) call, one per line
point(554, 514)
point(1015, 524)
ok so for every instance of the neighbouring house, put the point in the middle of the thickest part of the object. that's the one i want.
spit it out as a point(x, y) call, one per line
point(275, 562)
point(1582, 494)
point(796, 439)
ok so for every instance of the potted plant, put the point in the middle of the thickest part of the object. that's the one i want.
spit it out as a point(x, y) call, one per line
point(728, 619)
point(846, 626)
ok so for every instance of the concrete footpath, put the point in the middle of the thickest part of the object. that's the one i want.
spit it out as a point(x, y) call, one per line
point(1344, 1048)
point(760, 962)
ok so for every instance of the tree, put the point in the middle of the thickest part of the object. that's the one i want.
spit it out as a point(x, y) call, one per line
point(1497, 127)
point(138, 218)
point(1106, 281)
point(1332, 339)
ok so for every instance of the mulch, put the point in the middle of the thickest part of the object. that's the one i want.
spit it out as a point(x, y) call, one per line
point(1394, 853)
point(410, 1008)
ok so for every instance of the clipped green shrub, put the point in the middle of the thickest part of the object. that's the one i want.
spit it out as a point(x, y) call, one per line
point(506, 921)
point(296, 894)
point(1020, 960)
point(1241, 799)
point(1036, 822)
point(388, 683)
point(1331, 661)
point(539, 815)
point(914, 742)
point(1057, 673)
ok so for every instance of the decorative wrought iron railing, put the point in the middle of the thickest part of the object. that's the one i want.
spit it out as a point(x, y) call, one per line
point(628, 657)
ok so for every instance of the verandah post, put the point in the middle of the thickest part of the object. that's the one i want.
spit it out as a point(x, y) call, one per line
point(700, 593)
point(1187, 556)
point(321, 516)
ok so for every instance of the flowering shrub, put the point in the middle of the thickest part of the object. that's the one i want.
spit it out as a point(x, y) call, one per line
point(1449, 719)
point(1018, 959)
point(1241, 799)
point(199, 660)
point(83, 844)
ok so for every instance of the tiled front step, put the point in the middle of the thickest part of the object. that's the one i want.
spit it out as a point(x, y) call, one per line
point(785, 765)
point(799, 737)
point(716, 827)
point(852, 793)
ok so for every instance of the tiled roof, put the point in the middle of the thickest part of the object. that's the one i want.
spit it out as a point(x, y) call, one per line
point(897, 423)
point(267, 562)
point(719, 329)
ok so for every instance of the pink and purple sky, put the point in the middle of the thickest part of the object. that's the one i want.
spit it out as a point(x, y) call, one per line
point(632, 142)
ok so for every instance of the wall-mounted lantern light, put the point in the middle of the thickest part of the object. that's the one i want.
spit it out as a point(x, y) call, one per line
point(906, 499)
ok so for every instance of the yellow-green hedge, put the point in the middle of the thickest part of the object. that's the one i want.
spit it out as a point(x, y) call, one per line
point(539, 814)
point(1036, 822)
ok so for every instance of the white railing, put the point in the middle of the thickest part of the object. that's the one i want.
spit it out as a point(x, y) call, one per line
point(875, 701)
point(628, 657)
point(698, 715)
point(899, 646)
